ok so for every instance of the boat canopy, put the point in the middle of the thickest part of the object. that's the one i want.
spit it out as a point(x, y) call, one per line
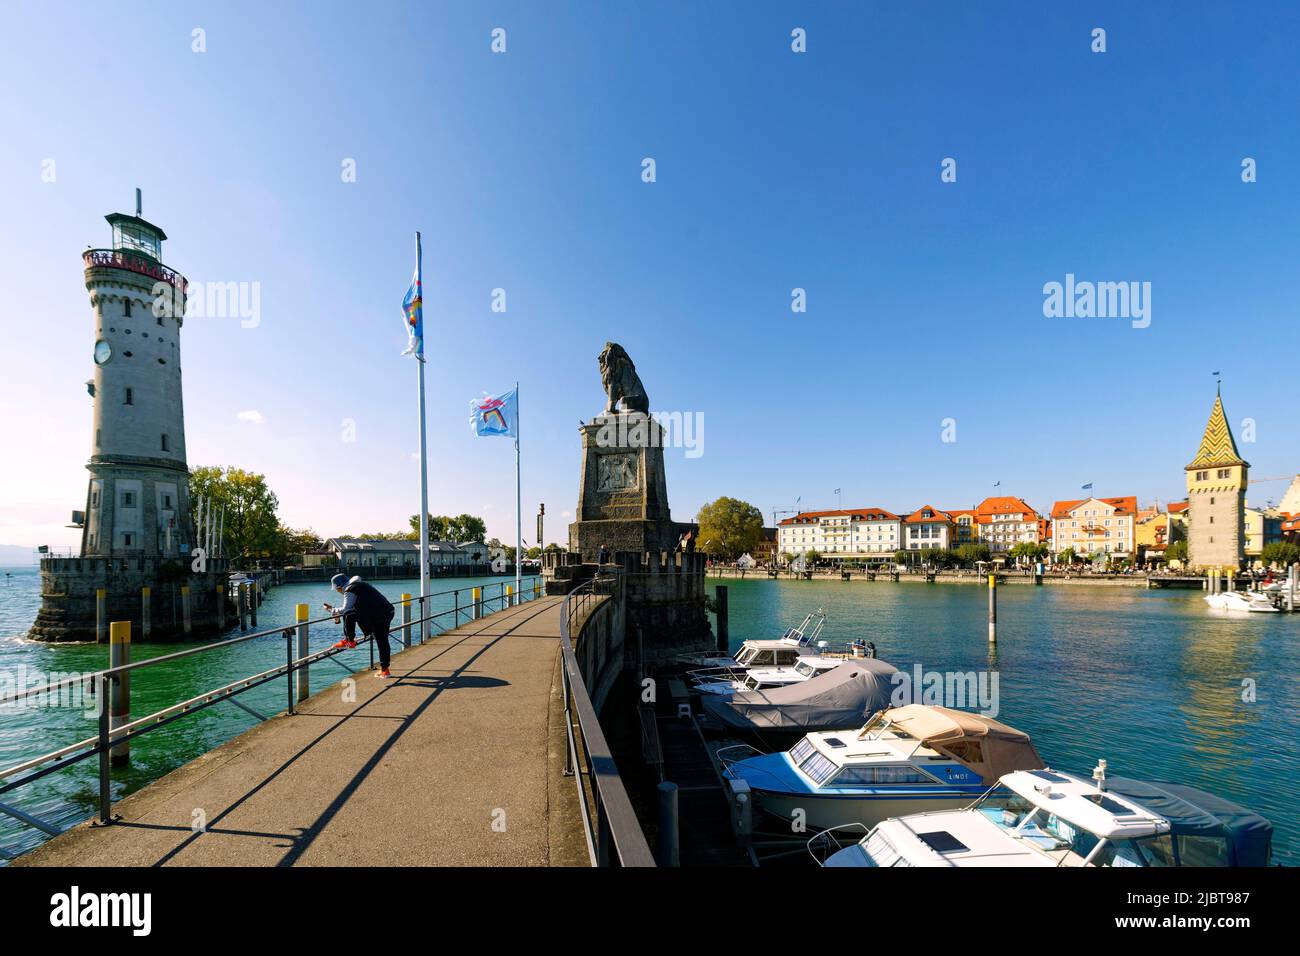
point(841, 697)
point(1207, 830)
point(987, 746)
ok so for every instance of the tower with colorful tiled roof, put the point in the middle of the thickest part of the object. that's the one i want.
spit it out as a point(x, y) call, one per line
point(1216, 497)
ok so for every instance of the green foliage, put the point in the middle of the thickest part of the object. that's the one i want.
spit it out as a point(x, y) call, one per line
point(729, 528)
point(971, 553)
point(1067, 556)
point(1280, 552)
point(1029, 550)
point(252, 528)
point(463, 527)
point(1178, 551)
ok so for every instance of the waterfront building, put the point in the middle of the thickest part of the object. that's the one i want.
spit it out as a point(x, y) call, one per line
point(1262, 526)
point(137, 532)
point(1005, 521)
point(1290, 503)
point(844, 533)
point(927, 527)
point(1095, 526)
point(360, 553)
point(1155, 530)
point(965, 528)
point(1216, 494)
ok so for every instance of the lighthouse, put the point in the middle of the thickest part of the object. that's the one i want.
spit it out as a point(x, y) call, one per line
point(137, 502)
point(137, 560)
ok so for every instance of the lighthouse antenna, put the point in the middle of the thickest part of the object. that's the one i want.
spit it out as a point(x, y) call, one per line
point(139, 203)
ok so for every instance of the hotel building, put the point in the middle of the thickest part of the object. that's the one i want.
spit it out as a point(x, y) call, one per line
point(1003, 522)
point(848, 533)
point(1095, 526)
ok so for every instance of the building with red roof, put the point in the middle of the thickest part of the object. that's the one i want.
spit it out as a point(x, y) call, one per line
point(1090, 526)
point(842, 533)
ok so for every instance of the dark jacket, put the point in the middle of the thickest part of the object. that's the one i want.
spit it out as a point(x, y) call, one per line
point(372, 608)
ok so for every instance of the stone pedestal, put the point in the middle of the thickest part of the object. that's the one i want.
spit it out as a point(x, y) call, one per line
point(623, 497)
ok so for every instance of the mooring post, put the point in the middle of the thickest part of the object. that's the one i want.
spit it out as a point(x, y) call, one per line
point(476, 595)
point(406, 619)
point(144, 613)
point(221, 605)
point(304, 677)
point(724, 627)
point(252, 603)
point(242, 601)
point(101, 615)
point(185, 609)
point(993, 608)
point(1292, 573)
point(1232, 584)
point(510, 595)
point(119, 709)
point(105, 786)
point(666, 850)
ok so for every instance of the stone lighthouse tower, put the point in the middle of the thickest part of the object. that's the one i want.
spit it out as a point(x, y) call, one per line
point(137, 531)
point(138, 499)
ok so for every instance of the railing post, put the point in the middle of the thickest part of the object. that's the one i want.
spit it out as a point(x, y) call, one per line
point(101, 615)
point(105, 786)
point(304, 675)
point(455, 613)
point(288, 667)
point(185, 609)
point(477, 597)
point(667, 848)
point(222, 584)
point(119, 655)
point(144, 612)
point(406, 619)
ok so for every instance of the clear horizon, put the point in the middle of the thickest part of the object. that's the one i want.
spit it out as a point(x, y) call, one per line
point(775, 171)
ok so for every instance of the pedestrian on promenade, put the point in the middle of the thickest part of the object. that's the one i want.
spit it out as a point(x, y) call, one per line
point(364, 605)
point(603, 557)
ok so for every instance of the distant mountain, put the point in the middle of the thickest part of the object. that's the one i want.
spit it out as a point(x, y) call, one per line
point(17, 555)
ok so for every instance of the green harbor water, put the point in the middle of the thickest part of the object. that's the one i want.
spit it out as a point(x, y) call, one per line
point(1149, 680)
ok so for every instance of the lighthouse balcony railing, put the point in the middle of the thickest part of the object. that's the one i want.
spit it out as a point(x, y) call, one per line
point(133, 262)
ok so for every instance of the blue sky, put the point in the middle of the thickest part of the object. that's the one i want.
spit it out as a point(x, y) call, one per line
point(775, 170)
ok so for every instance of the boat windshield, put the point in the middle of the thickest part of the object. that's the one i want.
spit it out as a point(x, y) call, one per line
point(1034, 825)
point(804, 669)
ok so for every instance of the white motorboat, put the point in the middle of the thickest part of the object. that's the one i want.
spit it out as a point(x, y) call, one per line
point(904, 760)
point(780, 652)
point(1051, 818)
point(804, 668)
point(1246, 601)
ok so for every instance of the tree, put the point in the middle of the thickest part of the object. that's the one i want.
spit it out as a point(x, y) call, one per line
point(1067, 556)
point(463, 527)
point(971, 553)
point(252, 528)
point(1177, 551)
point(812, 557)
point(1279, 552)
point(1029, 551)
point(291, 542)
point(730, 527)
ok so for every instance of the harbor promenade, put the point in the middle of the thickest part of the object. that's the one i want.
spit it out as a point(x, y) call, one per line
point(457, 761)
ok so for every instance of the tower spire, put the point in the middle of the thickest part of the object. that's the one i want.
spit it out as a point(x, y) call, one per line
point(139, 203)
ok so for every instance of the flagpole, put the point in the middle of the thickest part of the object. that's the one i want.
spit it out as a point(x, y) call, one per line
point(519, 525)
point(424, 456)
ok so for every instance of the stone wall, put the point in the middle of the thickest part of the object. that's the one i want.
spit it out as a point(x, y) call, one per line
point(68, 598)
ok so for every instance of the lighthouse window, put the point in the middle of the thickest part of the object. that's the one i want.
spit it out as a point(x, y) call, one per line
point(126, 540)
point(126, 306)
point(128, 499)
point(129, 397)
point(164, 443)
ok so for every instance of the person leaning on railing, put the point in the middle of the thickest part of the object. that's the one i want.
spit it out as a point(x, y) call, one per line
point(364, 605)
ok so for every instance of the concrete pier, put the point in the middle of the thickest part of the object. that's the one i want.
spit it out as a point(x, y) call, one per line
point(456, 761)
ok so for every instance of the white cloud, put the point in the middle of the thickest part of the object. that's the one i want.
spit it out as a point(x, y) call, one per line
point(252, 415)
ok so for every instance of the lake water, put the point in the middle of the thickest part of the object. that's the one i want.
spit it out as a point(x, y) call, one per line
point(1149, 680)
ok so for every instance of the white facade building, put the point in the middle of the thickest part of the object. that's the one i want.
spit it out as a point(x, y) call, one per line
point(847, 533)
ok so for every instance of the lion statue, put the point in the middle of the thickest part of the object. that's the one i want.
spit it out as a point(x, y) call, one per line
point(622, 384)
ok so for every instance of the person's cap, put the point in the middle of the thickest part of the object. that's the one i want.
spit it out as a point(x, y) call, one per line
point(338, 581)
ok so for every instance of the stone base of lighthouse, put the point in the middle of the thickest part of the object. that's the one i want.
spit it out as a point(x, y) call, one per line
point(70, 599)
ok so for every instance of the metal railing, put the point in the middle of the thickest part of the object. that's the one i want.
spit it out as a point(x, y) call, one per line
point(101, 683)
point(614, 835)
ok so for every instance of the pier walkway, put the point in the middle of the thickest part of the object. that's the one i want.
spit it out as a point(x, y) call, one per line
point(457, 761)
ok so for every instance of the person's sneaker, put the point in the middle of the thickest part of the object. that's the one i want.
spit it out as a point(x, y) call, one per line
point(383, 672)
point(350, 644)
point(343, 643)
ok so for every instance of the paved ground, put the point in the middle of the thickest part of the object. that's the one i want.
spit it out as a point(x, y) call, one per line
point(457, 761)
